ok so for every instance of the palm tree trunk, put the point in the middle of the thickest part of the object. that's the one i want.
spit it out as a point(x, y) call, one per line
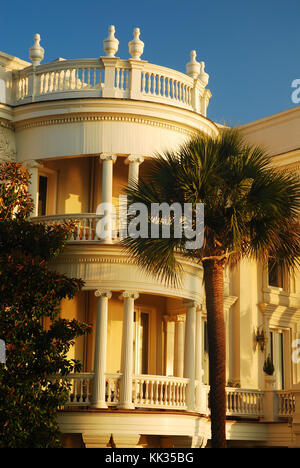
point(214, 290)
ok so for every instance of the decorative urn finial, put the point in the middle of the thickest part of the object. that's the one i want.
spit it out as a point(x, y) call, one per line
point(111, 43)
point(136, 46)
point(36, 52)
point(193, 67)
point(204, 77)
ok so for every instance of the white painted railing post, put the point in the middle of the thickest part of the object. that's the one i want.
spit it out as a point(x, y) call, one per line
point(189, 353)
point(110, 64)
point(100, 349)
point(136, 67)
point(270, 403)
point(127, 350)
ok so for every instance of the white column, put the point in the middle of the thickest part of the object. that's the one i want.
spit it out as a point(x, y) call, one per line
point(100, 349)
point(127, 350)
point(33, 186)
point(133, 162)
point(108, 161)
point(189, 353)
point(179, 346)
point(169, 332)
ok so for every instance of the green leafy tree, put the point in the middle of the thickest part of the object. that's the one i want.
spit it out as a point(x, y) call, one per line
point(37, 339)
point(251, 210)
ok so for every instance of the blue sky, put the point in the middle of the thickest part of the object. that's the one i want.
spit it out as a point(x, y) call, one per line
point(251, 48)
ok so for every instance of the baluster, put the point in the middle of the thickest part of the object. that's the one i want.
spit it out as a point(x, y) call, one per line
point(46, 83)
point(78, 230)
point(88, 78)
point(143, 82)
point(62, 80)
point(155, 84)
point(172, 390)
point(115, 398)
point(87, 396)
point(164, 86)
point(84, 229)
point(81, 391)
point(55, 82)
point(147, 392)
point(161, 393)
point(109, 390)
point(90, 228)
point(158, 84)
point(117, 77)
point(122, 71)
point(156, 400)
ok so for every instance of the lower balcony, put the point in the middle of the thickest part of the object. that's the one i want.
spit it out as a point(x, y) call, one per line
point(155, 392)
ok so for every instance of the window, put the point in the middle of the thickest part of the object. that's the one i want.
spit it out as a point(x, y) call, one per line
point(43, 185)
point(277, 356)
point(275, 275)
point(141, 342)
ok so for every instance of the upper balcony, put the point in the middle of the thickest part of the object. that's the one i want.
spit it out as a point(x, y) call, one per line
point(106, 77)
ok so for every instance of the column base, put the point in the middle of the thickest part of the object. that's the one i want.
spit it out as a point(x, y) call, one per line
point(126, 406)
point(99, 405)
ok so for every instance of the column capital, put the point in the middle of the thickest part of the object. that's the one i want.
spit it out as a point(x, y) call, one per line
point(192, 304)
point(134, 158)
point(102, 293)
point(108, 157)
point(180, 318)
point(129, 295)
point(32, 163)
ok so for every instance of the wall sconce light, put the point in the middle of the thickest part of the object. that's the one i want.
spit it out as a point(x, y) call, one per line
point(260, 339)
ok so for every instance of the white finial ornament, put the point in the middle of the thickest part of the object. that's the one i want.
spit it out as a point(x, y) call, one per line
point(136, 46)
point(193, 67)
point(111, 43)
point(36, 52)
point(204, 77)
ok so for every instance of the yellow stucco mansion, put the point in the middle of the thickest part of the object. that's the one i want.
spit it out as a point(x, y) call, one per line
point(85, 128)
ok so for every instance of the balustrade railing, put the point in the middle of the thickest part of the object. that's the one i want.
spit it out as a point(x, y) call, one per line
point(152, 391)
point(161, 392)
point(80, 388)
point(246, 403)
point(85, 225)
point(63, 79)
point(286, 403)
point(162, 84)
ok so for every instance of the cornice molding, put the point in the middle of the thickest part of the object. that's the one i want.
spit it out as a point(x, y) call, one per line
point(280, 313)
point(7, 124)
point(103, 117)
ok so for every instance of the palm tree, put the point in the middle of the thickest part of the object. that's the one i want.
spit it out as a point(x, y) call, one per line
point(250, 211)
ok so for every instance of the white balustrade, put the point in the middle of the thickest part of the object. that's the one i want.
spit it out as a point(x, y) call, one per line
point(84, 229)
point(169, 393)
point(112, 389)
point(80, 388)
point(243, 402)
point(152, 391)
point(63, 79)
point(164, 85)
point(286, 403)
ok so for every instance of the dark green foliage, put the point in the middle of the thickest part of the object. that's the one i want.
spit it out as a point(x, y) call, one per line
point(37, 339)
